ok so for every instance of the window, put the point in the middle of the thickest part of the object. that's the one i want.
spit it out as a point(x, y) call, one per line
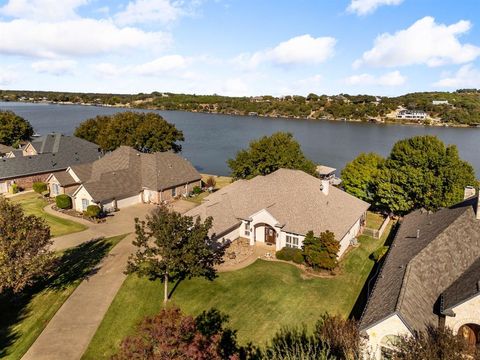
point(84, 204)
point(174, 192)
point(247, 231)
point(55, 189)
point(292, 241)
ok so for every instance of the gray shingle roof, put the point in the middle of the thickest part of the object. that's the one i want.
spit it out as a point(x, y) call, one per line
point(417, 270)
point(293, 197)
point(5, 149)
point(465, 287)
point(125, 172)
point(56, 152)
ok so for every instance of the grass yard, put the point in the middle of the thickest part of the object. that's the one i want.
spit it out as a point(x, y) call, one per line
point(222, 181)
point(24, 318)
point(34, 203)
point(374, 220)
point(259, 299)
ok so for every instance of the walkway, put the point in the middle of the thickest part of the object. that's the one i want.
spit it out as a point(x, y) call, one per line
point(70, 331)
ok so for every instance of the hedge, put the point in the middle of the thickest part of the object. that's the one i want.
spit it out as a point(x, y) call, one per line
point(63, 201)
point(378, 254)
point(39, 187)
point(93, 211)
point(197, 190)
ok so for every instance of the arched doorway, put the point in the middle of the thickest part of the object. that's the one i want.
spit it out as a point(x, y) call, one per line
point(470, 333)
point(265, 233)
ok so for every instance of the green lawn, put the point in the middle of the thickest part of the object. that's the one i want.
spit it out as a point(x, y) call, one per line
point(34, 203)
point(24, 317)
point(259, 299)
point(374, 220)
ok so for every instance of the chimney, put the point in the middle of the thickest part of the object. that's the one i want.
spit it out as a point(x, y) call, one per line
point(325, 186)
point(468, 192)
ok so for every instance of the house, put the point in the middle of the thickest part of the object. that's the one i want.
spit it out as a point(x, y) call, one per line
point(412, 115)
point(440, 102)
point(430, 277)
point(4, 150)
point(280, 208)
point(42, 156)
point(126, 177)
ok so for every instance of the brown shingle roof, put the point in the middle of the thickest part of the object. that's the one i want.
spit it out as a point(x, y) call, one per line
point(417, 270)
point(465, 287)
point(293, 197)
point(125, 172)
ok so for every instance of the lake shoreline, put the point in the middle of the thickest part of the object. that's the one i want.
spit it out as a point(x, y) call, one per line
point(384, 122)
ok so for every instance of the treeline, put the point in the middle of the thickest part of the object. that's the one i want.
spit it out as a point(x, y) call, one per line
point(463, 106)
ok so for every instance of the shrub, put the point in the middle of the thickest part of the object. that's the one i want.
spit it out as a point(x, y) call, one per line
point(211, 182)
point(298, 257)
point(290, 254)
point(39, 187)
point(63, 201)
point(197, 190)
point(93, 211)
point(14, 188)
point(378, 254)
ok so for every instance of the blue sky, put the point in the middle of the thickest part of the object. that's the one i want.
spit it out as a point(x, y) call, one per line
point(240, 47)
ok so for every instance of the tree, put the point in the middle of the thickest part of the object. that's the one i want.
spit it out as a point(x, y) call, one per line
point(360, 176)
point(433, 344)
point(423, 172)
point(13, 128)
point(24, 243)
point(321, 252)
point(174, 336)
point(174, 247)
point(147, 132)
point(269, 154)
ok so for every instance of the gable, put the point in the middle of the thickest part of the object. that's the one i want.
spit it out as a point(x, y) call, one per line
point(263, 216)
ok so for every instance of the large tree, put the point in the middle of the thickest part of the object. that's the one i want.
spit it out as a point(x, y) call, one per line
point(13, 128)
point(269, 154)
point(174, 247)
point(24, 248)
point(423, 172)
point(360, 175)
point(420, 172)
point(147, 132)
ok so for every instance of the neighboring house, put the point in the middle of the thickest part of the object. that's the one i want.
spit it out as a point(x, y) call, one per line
point(42, 156)
point(4, 150)
point(430, 278)
point(126, 177)
point(412, 115)
point(280, 208)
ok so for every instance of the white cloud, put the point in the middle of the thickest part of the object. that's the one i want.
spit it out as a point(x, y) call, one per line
point(45, 10)
point(364, 7)
point(161, 65)
point(303, 49)
point(394, 78)
point(7, 75)
point(166, 65)
point(146, 11)
point(55, 67)
point(425, 42)
point(466, 77)
point(79, 37)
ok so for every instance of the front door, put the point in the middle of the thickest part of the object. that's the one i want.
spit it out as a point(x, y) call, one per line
point(270, 235)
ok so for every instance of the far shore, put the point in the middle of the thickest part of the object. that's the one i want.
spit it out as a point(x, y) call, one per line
point(384, 121)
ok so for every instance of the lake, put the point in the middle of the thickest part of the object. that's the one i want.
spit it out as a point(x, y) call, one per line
point(211, 139)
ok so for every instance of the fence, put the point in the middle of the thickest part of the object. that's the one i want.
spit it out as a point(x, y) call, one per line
point(377, 233)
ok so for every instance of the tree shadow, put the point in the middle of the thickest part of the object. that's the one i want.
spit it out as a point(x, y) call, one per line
point(72, 265)
point(362, 298)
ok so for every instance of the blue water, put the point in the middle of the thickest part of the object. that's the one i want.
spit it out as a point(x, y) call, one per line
point(211, 139)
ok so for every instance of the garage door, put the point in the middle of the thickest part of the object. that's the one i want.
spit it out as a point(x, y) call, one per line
point(129, 201)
